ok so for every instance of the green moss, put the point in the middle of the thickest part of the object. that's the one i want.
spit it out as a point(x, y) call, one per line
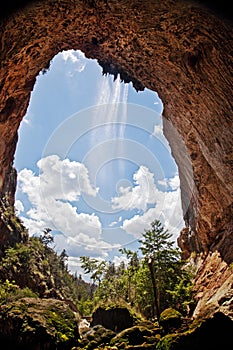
point(167, 342)
point(137, 317)
point(62, 337)
point(44, 320)
point(170, 313)
point(170, 319)
point(62, 323)
point(135, 336)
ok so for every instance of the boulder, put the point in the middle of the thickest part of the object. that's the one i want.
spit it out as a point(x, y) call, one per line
point(170, 319)
point(38, 324)
point(115, 318)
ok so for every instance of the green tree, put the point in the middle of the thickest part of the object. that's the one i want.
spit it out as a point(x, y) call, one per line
point(132, 267)
point(93, 266)
point(47, 238)
point(63, 260)
point(159, 253)
point(143, 298)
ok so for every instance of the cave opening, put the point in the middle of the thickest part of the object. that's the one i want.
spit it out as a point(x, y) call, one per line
point(93, 163)
point(153, 50)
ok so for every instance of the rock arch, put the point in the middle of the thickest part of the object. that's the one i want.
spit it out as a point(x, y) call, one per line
point(180, 49)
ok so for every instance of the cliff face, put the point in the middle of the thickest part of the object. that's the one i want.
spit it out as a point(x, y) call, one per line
point(177, 48)
point(11, 228)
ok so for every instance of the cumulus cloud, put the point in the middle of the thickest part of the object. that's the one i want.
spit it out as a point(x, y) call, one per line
point(158, 131)
point(19, 206)
point(166, 204)
point(158, 134)
point(139, 196)
point(170, 184)
point(114, 223)
point(50, 194)
point(76, 58)
point(117, 260)
point(58, 179)
point(83, 244)
point(167, 208)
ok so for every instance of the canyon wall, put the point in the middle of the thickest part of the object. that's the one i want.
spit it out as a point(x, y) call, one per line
point(180, 49)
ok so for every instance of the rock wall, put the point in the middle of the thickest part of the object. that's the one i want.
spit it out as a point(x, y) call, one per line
point(180, 49)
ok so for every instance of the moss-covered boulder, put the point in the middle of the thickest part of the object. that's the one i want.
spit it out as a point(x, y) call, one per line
point(115, 317)
point(136, 337)
point(33, 323)
point(170, 320)
point(95, 337)
point(211, 333)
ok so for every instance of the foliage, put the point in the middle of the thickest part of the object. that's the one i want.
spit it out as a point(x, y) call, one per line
point(46, 274)
point(171, 282)
point(47, 238)
point(32, 323)
point(10, 291)
point(58, 320)
point(143, 295)
point(85, 306)
point(136, 335)
point(93, 266)
point(132, 282)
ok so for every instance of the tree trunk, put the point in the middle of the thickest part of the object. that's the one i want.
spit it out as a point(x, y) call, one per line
point(156, 305)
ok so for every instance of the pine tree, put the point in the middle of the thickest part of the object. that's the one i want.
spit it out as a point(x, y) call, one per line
point(157, 248)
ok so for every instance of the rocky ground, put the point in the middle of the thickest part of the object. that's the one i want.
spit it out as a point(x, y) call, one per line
point(48, 324)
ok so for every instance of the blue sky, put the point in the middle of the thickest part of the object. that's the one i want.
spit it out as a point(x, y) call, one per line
point(93, 164)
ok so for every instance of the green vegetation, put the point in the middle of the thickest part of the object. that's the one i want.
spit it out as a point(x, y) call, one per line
point(35, 321)
point(170, 319)
point(10, 291)
point(151, 283)
point(34, 267)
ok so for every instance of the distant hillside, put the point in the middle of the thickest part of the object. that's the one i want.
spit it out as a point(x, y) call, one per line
point(36, 266)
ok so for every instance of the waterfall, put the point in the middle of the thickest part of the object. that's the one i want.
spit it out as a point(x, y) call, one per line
point(106, 115)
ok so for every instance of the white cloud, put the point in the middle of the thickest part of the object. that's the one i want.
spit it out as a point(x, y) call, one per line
point(174, 182)
point(166, 205)
point(61, 181)
point(162, 182)
point(138, 197)
point(26, 120)
point(171, 184)
point(75, 265)
point(82, 244)
point(114, 223)
point(167, 209)
point(118, 259)
point(76, 58)
point(19, 206)
point(58, 179)
point(158, 131)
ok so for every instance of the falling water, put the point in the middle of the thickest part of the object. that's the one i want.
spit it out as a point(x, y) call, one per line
point(108, 117)
point(109, 120)
point(123, 115)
